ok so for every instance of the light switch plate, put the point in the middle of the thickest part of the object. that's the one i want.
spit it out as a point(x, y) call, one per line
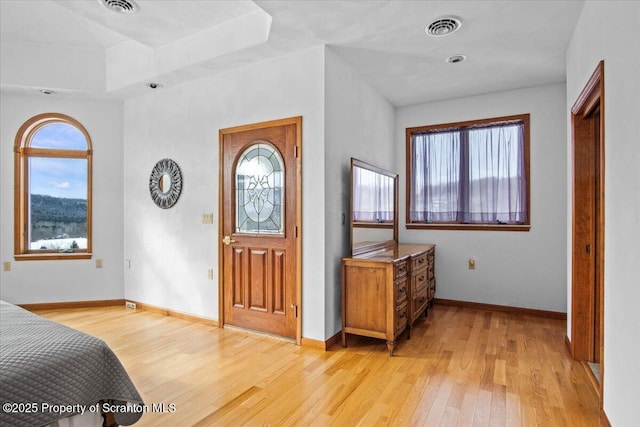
point(207, 218)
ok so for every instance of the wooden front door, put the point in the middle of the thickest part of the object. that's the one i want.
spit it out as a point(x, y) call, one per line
point(260, 237)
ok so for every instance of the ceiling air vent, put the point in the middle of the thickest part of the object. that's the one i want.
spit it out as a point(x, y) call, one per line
point(120, 6)
point(454, 59)
point(443, 26)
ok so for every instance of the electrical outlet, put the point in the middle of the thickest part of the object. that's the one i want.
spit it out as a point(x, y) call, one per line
point(210, 274)
point(472, 264)
point(6, 266)
point(99, 263)
point(131, 305)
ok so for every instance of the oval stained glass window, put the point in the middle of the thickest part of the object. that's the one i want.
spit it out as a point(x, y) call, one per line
point(260, 190)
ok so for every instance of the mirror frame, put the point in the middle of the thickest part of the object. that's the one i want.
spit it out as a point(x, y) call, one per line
point(372, 246)
point(165, 198)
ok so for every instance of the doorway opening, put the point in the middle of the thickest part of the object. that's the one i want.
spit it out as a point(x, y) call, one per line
point(587, 300)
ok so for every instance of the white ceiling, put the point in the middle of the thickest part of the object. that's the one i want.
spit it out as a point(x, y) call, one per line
point(54, 44)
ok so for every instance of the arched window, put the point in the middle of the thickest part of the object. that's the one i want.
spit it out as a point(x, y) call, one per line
point(53, 189)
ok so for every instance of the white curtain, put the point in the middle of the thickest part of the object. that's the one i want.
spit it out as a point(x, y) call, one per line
point(372, 196)
point(470, 175)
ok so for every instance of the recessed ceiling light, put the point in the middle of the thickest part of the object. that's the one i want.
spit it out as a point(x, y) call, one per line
point(47, 91)
point(154, 85)
point(443, 26)
point(120, 6)
point(454, 59)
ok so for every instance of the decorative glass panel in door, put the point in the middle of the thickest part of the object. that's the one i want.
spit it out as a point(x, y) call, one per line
point(260, 190)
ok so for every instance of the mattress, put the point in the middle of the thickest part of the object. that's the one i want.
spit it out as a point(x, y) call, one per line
point(49, 371)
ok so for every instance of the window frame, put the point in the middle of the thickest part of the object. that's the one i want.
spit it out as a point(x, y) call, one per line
point(526, 226)
point(22, 152)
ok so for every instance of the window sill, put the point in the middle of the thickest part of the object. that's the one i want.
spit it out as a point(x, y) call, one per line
point(476, 227)
point(52, 256)
point(362, 224)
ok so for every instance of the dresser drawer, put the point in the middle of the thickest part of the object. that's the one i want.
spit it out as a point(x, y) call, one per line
point(402, 314)
point(400, 290)
point(420, 301)
point(418, 262)
point(419, 281)
point(400, 269)
point(431, 262)
point(432, 288)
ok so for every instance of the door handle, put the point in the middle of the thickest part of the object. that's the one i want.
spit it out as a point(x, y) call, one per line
point(228, 240)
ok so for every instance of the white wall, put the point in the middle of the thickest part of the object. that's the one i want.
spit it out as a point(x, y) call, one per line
point(171, 250)
point(359, 123)
point(519, 269)
point(610, 31)
point(72, 280)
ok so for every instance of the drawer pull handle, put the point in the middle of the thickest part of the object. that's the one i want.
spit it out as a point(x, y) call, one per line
point(421, 261)
point(403, 315)
point(421, 279)
point(402, 290)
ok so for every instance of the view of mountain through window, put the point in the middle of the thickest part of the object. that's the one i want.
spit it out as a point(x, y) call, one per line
point(57, 189)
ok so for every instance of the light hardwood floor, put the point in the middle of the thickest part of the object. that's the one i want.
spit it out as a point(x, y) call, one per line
point(463, 367)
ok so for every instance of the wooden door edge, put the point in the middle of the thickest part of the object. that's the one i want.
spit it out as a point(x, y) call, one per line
point(591, 95)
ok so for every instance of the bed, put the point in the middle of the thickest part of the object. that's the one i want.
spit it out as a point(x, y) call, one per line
point(50, 373)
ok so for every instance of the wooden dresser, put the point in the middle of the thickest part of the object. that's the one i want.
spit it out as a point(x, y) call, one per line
point(385, 291)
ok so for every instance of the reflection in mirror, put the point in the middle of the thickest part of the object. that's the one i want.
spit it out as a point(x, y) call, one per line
point(363, 237)
point(372, 197)
point(374, 212)
point(164, 184)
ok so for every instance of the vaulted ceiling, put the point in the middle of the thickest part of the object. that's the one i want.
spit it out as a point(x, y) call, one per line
point(80, 47)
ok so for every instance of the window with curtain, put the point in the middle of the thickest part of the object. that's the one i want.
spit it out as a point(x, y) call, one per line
point(471, 175)
point(53, 189)
point(373, 196)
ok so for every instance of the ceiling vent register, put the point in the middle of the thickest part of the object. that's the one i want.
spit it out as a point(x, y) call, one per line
point(120, 6)
point(443, 26)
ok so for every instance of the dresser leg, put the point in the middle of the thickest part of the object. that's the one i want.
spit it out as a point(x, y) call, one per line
point(390, 346)
point(344, 339)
